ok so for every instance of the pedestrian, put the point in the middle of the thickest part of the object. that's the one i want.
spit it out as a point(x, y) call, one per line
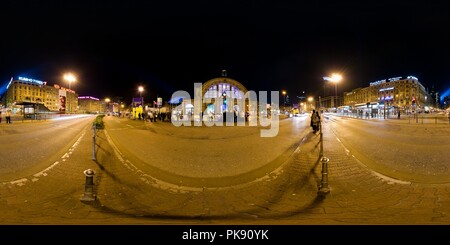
point(0, 114)
point(8, 116)
point(312, 115)
point(316, 122)
point(151, 116)
point(398, 114)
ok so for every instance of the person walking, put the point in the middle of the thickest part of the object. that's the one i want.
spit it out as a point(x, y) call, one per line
point(0, 114)
point(312, 115)
point(8, 116)
point(316, 121)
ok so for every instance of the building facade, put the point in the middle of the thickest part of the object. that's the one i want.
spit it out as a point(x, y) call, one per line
point(394, 94)
point(31, 91)
point(219, 95)
point(89, 104)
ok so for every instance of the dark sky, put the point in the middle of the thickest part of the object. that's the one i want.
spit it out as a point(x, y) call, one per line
point(114, 46)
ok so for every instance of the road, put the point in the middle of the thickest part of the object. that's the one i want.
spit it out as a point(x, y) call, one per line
point(29, 147)
point(407, 151)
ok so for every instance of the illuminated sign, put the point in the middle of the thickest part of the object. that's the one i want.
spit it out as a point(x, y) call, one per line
point(394, 79)
point(378, 82)
point(62, 88)
point(138, 102)
point(32, 80)
point(384, 89)
point(87, 97)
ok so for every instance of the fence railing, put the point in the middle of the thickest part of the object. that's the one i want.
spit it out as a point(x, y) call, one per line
point(412, 118)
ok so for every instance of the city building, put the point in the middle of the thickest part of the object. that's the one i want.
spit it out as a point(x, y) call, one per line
point(435, 98)
point(406, 95)
point(26, 95)
point(330, 102)
point(89, 104)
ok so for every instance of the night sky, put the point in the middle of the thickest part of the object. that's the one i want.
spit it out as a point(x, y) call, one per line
point(115, 46)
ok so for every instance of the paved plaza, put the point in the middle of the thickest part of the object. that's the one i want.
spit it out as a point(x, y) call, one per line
point(282, 189)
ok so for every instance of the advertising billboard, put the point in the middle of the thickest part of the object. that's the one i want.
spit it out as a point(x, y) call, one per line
point(62, 100)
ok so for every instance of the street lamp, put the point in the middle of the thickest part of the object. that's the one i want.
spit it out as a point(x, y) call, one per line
point(70, 78)
point(284, 102)
point(335, 78)
point(310, 99)
point(140, 89)
point(107, 100)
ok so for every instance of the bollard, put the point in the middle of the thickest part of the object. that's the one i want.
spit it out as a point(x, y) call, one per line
point(321, 139)
point(324, 188)
point(89, 186)
point(93, 144)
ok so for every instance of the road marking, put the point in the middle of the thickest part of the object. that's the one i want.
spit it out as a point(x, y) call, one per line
point(160, 184)
point(21, 182)
point(145, 177)
point(374, 173)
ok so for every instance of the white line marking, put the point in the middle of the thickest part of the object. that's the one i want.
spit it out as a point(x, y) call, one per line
point(376, 174)
point(21, 182)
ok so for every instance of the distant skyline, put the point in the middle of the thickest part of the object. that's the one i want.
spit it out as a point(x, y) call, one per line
point(115, 46)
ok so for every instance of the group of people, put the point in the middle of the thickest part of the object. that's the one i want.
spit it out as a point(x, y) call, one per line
point(315, 121)
point(8, 116)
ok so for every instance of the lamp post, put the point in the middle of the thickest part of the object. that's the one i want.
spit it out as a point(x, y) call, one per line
point(140, 89)
point(121, 106)
point(310, 99)
point(70, 78)
point(107, 100)
point(335, 78)
point(284, 102)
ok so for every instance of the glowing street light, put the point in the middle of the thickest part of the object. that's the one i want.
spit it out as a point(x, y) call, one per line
point(310, 100)
point(70, 78)
point(335, 78)
point(140, 89)
point(107, 100)
point(284, 102)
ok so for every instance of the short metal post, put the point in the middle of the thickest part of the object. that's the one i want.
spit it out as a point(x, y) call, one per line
point(89, 186)
point(324, 188)
point(93, 143)
point(321, 139)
